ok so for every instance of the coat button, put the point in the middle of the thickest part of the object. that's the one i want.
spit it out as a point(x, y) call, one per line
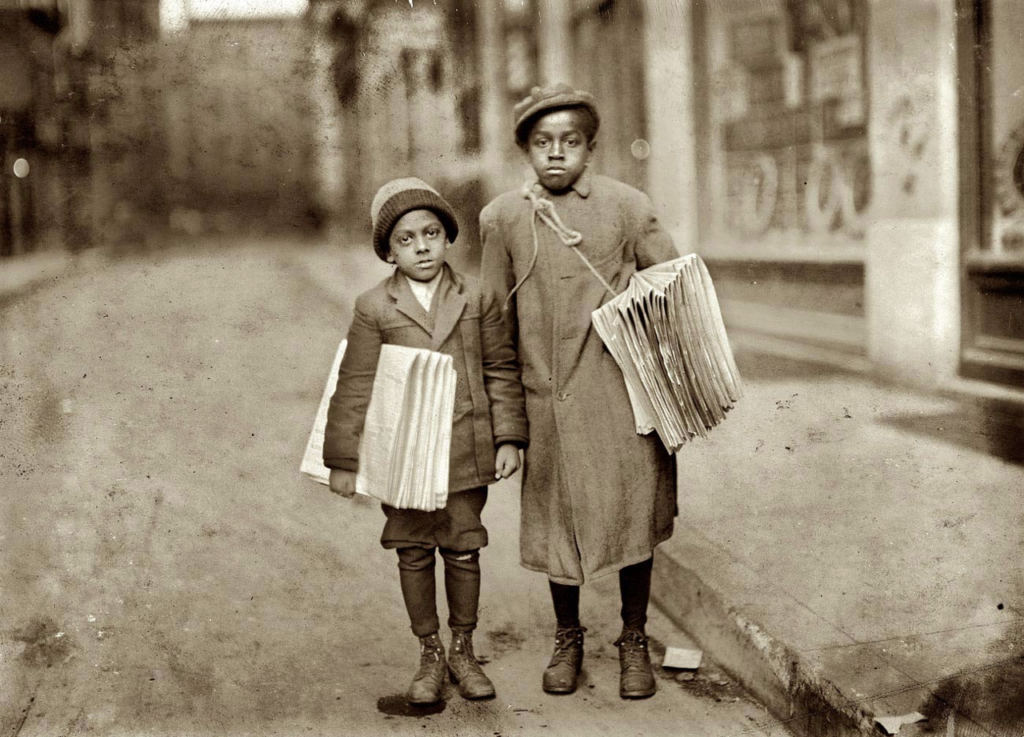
point(562, 396)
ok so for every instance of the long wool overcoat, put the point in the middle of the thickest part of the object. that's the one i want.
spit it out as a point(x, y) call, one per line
point(596, 495)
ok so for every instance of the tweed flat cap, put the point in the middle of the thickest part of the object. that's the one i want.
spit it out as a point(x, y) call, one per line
point(400, 196)
point(552, 97)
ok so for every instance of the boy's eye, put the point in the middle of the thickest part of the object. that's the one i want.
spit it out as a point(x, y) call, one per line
point(433, 233)
point(572, 142)
point(540, 142)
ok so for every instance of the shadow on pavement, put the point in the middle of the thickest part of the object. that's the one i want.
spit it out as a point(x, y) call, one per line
point(994, 428)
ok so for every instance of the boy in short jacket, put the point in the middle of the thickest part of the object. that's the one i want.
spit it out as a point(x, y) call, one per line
point(597, 497)
point(426, 304)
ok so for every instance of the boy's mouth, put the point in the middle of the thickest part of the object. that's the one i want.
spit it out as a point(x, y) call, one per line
point(555, 170)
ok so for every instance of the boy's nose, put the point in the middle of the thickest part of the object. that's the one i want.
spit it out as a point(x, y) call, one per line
point(556, 150)
point(422, 245)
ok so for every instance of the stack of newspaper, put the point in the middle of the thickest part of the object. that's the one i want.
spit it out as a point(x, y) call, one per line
point(406, 442)
point(666, 333)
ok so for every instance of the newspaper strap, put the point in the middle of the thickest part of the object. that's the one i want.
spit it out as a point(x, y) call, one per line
point(544, 209)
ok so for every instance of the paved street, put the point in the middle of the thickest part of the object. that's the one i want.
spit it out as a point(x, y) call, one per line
point(167, 571)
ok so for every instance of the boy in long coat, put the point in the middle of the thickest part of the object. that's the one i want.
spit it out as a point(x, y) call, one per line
point(597, 497)
point(426, 304)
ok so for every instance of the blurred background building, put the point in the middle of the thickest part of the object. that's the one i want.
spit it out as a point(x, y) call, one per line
point(851, 170)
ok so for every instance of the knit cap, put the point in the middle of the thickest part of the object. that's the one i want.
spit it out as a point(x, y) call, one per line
point(400, 196)
point(544, 99)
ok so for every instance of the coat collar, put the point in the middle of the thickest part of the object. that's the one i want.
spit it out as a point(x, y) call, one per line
point(448, 305)
point(582, 186)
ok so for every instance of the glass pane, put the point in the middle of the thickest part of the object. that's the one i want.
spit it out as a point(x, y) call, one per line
point(1005, 113)
point(788, 109)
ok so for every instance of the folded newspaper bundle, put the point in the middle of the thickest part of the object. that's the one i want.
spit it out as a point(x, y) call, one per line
point(406, 442)
point(313, 459)
point(666, 333)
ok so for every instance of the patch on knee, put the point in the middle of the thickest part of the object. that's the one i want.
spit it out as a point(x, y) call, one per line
point(463, 556)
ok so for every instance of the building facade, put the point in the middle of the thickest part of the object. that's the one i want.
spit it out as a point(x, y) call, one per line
point(858, 179)
point(116, 129)
point(44, 140)
point(236, 105)
point(851, 170)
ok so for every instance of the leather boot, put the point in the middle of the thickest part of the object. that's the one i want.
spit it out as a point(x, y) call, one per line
point(465, 670)
point(564, 669)
point(426, 686)
point(636, 679)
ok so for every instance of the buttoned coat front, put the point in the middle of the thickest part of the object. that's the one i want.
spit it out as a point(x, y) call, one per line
point(465, 322)
point(596, 495)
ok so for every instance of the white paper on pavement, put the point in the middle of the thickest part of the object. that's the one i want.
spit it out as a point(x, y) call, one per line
point(892, 725)
point(682, 658)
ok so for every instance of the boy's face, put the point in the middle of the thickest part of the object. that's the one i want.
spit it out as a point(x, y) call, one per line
point(418, 242)
point(558, 149)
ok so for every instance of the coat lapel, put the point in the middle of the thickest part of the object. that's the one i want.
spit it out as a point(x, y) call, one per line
point(405, 301)
point(449, 302)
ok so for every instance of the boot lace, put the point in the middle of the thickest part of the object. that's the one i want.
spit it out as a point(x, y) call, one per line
point(633, 647)
point(430, 652)
point(565, 639)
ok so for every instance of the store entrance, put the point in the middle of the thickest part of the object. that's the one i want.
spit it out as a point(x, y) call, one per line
point(992, 191)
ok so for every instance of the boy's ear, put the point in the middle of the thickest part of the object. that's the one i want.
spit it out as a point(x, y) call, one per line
point(591, 143)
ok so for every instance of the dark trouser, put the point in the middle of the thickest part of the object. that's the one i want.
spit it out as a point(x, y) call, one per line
point(459, 534)
point(461, 585)
point(634, 589)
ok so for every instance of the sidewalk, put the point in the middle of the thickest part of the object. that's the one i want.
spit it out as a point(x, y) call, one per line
point(852, 551)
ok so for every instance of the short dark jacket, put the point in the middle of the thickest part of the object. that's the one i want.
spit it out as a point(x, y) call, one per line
point(465, 322)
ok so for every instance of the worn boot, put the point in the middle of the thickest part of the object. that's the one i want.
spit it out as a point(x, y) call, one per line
point(426, 686)
point(465, 670)
point(564, 668)
point(636, 679)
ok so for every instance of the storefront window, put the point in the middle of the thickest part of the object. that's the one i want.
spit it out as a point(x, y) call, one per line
point(785, 118)
point(1003, 118)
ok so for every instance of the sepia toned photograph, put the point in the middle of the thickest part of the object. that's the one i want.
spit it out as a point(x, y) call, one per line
point(481, 368)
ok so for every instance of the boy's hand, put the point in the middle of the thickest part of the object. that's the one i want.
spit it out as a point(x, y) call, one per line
point(343, 483)
point(506, 461)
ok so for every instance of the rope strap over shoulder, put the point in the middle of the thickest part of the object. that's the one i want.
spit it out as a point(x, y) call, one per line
point(544, 209)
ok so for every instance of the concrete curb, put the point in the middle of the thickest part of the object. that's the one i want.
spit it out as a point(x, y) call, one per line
point(798, 697)
point(19, 274)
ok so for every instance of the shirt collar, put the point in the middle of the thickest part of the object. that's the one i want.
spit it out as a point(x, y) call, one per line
point(424, 291)
point(426, 286)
